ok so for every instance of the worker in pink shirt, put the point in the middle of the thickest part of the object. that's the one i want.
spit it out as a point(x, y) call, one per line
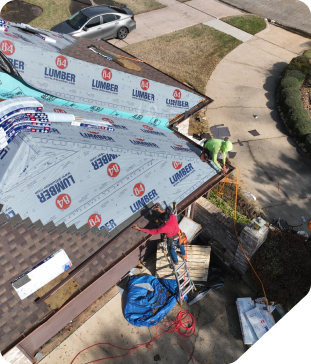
point(171, 229)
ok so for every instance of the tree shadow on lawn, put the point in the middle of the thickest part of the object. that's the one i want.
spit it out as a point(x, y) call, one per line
point(20, 12)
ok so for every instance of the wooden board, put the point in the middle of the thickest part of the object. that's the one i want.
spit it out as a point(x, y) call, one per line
point(61, 295)
point(198, 258)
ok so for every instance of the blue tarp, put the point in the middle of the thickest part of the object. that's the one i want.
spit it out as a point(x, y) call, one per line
point(147, 301)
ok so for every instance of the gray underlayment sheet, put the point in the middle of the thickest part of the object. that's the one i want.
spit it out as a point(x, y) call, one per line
point(81, 175)
point(42, 66)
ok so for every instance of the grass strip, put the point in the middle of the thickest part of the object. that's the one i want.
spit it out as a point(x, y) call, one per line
point(227, 209)
point(251, 24)
point(142, 6)
point(190, 55)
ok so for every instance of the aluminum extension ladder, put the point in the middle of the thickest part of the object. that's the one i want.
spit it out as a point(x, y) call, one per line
point(183, 278)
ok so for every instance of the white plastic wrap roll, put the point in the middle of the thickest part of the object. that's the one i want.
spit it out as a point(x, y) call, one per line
point(60, 117)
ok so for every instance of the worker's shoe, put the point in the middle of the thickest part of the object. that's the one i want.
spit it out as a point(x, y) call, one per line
point(182, 256)
point(176, 263)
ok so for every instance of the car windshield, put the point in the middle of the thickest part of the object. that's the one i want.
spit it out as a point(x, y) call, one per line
point(77, 20)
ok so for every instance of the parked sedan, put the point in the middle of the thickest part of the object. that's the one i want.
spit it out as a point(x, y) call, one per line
point(98, 22)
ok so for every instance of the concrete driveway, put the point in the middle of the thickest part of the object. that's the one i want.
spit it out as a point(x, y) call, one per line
point(243, 84)
point(175, 16)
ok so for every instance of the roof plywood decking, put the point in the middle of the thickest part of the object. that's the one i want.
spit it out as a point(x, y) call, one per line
point(198, 258)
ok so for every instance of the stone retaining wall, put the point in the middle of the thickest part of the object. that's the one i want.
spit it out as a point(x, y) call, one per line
point(219, 229)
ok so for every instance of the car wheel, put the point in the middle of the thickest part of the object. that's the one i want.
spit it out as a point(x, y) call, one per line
point(122, 33)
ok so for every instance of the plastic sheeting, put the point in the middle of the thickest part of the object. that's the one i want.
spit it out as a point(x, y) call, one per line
point(90, 176)
point(42, 66)
point(81, 175)
point(14, 87)
point(149, 299)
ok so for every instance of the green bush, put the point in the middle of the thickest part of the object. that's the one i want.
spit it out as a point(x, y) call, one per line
point(307, 53)
point(290, 82)
point(300, 63)
point(290, 92)
point(295, 115)
point(308, 143)
point(292, 102)
point(297, 74)
point(302, 128)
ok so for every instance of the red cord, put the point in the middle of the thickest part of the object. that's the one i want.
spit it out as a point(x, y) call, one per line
point(184, 325)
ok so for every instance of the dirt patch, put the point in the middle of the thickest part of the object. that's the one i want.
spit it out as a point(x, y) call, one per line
point(305, 96)
point(189, 55)
point(283, 263)
point(20, 12)
point(198, 123)
point(245, 203)
point(54, 12)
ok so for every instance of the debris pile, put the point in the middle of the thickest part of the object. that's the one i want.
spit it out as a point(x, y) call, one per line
point(255, 319)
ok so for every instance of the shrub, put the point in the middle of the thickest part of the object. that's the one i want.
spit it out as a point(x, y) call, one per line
point(300, 63)
point(290, 92)
point(295, 115)
point(290, 82)
point(302, 128)
point(296, 74)
point(308, 143)
point(307, 53)
point(292, 102)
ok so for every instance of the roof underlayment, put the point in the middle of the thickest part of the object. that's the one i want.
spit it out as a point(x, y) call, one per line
point(85, 176)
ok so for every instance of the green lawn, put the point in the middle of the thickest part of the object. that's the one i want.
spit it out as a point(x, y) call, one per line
point(142, 6)
point(54, 12)
point(249, 23)
point(189, 55)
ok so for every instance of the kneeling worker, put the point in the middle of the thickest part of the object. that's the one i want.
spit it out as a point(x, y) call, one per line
point(214, 146)
point(171, 229)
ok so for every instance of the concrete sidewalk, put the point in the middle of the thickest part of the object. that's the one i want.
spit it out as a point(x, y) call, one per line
point(217, 340)
point(243, 85)
point(174, 17)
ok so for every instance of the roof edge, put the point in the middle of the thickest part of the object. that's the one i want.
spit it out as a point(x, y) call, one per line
point(28, 343)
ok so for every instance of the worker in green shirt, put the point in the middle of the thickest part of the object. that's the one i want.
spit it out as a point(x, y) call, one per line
point(214, 146)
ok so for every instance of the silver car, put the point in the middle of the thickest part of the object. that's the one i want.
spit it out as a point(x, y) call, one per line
point(99, 22)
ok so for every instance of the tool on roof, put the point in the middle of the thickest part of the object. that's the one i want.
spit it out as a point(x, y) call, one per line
point(119, 55)
point(101, 52)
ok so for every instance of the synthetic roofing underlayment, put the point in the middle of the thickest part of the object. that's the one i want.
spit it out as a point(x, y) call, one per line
point(84, 176)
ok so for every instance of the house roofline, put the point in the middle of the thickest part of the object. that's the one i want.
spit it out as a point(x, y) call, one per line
point(80, 302)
